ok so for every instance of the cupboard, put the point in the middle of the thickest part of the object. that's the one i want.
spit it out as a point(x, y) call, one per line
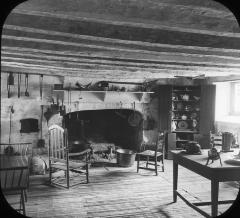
point(188, 113)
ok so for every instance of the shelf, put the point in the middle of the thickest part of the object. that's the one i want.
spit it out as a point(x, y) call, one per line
point(186, 100)
point(184, 131)
point(185, 110)
point(85, 91)
point(176, 90)
point(183, 119)
point(103, 96)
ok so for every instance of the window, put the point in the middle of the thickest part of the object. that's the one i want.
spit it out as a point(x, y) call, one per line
point(235, 98)
point(227, 107)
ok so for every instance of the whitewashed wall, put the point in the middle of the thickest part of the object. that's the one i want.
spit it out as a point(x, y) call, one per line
point(30, 107)
point(24, 107)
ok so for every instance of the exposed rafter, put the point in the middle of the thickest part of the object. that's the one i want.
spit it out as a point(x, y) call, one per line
point(90, 39)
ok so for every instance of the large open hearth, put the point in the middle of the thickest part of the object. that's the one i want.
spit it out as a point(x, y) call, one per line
point(104, 130)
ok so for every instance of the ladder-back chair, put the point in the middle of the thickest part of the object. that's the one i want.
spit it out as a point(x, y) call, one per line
point(153, 154)
point(59, 159)
point(14, 181)
point(216, 139)
point(22, 149)
point(18, 149)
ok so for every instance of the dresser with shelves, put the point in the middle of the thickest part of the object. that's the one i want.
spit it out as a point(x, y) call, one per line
point(197, 104)
point(185, 113)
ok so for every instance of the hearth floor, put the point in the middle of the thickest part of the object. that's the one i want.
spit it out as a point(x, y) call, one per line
point(122, 192)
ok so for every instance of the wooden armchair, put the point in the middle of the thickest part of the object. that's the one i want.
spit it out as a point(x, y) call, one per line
point(59, 159)
point(153, 154)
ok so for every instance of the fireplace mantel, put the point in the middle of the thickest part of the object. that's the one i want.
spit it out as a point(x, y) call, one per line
point(101, 96)
point(76, 100)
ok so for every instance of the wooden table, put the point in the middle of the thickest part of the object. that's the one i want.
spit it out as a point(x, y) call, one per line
point(213, 171)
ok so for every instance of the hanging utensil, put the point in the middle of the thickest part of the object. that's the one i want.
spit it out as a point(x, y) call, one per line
point(41, 84)
point(10, 123)
point(70, 96)
point(62, 109)
point(70, 99)
point(10, 82)
point(26, 85)
point(10, 79)
point(57, 100)
point(69, 102)
point(134, 119)
point(41, 141)
point(48, 114)
point(8, 90)
point(19, 84)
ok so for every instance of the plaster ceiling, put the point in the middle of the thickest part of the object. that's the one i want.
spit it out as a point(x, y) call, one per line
point(122, 40)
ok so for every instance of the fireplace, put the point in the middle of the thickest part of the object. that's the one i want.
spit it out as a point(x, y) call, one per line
point(105, 126)
point(119, 118)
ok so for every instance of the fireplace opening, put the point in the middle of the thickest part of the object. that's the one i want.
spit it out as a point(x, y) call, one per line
point(122, 127)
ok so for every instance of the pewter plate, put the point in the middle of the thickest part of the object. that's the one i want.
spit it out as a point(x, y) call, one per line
point(233, 161)
point(182, 125)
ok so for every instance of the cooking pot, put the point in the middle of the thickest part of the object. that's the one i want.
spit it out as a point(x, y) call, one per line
point(227, 140)
point(193, 147)
point(78, 145)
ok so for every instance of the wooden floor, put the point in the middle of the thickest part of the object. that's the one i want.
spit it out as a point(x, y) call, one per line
point(122, 192)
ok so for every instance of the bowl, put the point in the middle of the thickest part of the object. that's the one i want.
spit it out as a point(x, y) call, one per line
point(196, 98)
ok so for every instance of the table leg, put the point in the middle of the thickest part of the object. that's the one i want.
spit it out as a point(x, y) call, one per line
point(214, 197)
point(175, 180)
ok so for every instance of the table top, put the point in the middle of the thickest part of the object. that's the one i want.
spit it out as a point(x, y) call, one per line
point(226, 158)
point(212, 171)
point(13, 161)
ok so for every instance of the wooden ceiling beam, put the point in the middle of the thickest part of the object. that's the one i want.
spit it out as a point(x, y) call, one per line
point(224, 78)
point(150, 39)
point(151, 8)
point(126, 31)
point(13, 30)
point(120, 61)
point(127, 70)
point(54, 43)
point(87, 74)
point(124, 57)
point(153, 13)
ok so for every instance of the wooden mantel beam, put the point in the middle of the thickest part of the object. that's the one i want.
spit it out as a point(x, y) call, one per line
point(224, 78)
